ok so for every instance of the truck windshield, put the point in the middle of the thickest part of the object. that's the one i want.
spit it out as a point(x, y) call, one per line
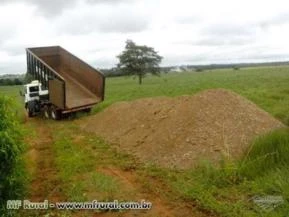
point(34, 89)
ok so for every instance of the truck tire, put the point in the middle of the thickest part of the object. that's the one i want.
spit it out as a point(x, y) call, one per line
point(87, 110)
point(46, 112)
point(30, 108)
point(29, 112)
point(55, 114)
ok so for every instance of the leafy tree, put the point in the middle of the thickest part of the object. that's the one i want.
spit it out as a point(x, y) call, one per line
point(139, 60)
point(17, 81)
point(28, 78)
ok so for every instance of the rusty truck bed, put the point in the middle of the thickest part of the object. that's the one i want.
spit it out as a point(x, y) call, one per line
point(76, 94)
point(72, 83)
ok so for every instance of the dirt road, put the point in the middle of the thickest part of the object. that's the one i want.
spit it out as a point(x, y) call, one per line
point(40, 160)
point(47, 184)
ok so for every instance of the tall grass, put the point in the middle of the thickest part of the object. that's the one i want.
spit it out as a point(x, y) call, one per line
point(269, 152)
point(228, 189)
point(11, 166)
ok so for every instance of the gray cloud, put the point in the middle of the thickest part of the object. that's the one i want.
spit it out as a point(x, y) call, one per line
point(109, 1)
point(233, 35)
point(55, 7)
point(223, 35)
point(124, 25)
point(121, 25)
point(97, 30)
point(6, 32)
point(229, 30)
point(102, 62)
point(4, 36)
point(224, 41)
point(17, 66)
point(188, 20)
point(280, 19)
point(232, 57)
point(13, 50)
point(114, 20)
point(45, 7)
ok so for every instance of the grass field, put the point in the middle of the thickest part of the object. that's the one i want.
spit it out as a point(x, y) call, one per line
point(88, 167)
point(267, 87)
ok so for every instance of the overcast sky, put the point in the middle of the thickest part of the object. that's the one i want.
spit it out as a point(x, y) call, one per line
point(182, 31)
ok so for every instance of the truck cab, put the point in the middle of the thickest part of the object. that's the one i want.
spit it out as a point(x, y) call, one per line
point(34, 93)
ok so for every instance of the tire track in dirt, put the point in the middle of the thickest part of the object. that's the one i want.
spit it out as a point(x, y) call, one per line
point(45, 184)
point(160, 206)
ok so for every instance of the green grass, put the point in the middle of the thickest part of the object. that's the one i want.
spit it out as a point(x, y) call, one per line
point(229, 190)
point(267, 87)
point(267, 153)
point(226, 190)
point(12, 168)
point(18, 101)
point(78, 155)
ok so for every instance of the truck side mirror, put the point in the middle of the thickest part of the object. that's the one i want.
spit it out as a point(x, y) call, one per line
point(20, 92)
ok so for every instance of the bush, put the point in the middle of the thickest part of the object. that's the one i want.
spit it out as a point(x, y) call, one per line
point(199, 69)
point(11, 147)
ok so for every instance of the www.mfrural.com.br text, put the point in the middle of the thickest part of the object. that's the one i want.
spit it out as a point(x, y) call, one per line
point(90, 205)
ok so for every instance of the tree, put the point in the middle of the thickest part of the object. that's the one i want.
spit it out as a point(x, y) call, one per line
point(139, 60)
point(28, 78)
point(17, 81)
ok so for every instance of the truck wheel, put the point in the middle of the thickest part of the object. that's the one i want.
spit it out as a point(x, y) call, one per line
point(46, 112)
point(55, 114)
point(30, 108)
point(87, 110)
point(29, 112)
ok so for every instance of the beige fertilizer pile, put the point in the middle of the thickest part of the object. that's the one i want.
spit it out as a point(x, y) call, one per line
point(180, 132)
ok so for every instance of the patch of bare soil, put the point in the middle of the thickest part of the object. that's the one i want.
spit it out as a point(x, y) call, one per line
point(45, 184)
point(160, 206)
point(179, 132)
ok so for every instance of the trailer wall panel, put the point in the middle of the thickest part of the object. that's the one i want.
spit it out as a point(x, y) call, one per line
point(57, 93)
point(82, 72)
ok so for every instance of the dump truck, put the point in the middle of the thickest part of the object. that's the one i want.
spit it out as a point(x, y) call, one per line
point(62, 83)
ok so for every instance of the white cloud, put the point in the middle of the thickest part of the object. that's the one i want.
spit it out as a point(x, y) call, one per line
point(184, 31)
point(103, 18)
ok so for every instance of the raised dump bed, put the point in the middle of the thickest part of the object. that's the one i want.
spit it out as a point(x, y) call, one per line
point(72, 84)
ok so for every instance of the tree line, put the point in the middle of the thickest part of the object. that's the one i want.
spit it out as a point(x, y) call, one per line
point(11, 81)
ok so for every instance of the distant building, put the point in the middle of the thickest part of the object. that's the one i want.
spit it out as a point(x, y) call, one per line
point(179, 69)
